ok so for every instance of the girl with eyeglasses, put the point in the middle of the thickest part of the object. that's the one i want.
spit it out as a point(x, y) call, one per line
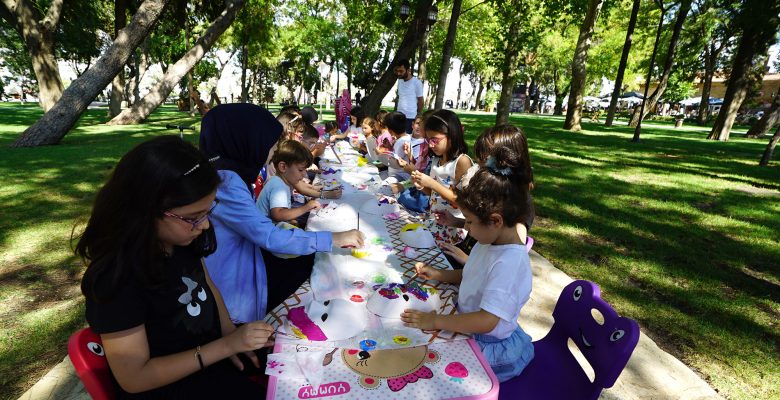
point(449, 162)
point(164, 326)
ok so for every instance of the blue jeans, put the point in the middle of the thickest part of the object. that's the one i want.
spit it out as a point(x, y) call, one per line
point(409, 125)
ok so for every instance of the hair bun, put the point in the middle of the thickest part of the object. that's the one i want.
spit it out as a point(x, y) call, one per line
point(506, 158)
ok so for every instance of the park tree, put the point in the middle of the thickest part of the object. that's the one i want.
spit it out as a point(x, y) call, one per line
point(758, 22)
point(250, 38)
point(623, 62)
point(715, 30)
point(449, 44)
point(42, 26)
point(58, 120)
point(118, 83)
point(771, 117)
point(159, 92)
point(475, 48)
point(579, 66)
point(37, 30)
point(650, 102)
point(770, 149)
point(517, 38)
point(552, 69)
point(409, 43)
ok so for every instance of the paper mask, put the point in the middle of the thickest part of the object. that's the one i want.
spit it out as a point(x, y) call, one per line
point(331, 320)
point(415, 235)
point(381, 206)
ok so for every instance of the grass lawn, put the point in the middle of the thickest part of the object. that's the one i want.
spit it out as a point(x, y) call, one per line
point(681, 234)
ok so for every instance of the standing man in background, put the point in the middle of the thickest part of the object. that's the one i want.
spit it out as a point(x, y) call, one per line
point(410, 93)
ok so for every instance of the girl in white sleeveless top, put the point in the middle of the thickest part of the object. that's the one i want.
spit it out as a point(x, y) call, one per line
point(446, 142)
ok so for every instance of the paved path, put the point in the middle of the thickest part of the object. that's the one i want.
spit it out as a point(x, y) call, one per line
point(650, 374)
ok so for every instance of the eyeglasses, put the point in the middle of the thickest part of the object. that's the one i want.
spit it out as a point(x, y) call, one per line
point(433, 141)
point(195, 222)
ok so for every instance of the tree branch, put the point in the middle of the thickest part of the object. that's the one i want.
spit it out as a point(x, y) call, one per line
point(6, 13)
point(53, 15)
point(473, 7)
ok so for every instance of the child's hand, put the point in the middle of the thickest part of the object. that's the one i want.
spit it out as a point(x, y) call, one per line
point(427, 272)
point(397, 188)
point(419, 319)
point(332, 139)
point(313, 204)
point(422, 180)
point(454, 252)
point(250, 336)
point(408, 151)
point(444, 217)
point(353, 238)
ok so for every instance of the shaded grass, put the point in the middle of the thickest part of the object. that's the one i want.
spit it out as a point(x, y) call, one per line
point(681, 233)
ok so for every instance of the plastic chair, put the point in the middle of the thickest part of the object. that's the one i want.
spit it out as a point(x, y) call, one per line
point(86, 353)
point(554, 373)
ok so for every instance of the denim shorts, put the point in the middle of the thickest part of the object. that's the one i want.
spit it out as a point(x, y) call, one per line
point(507, 357)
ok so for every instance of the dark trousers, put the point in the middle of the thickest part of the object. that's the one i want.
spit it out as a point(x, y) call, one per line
point(285, 276)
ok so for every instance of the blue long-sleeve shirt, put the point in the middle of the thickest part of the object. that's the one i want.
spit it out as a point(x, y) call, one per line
point(237, 267)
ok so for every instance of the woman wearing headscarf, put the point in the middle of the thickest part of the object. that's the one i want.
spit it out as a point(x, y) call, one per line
point(242, 135)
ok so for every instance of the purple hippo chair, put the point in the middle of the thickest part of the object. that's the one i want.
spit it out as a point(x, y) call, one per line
point(554, 373)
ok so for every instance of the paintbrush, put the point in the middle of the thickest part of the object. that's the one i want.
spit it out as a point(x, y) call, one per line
point(427, 262)
point(333, 147)
point(278, 332)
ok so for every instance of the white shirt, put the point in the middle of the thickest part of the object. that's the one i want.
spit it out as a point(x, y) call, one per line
point(497, 279)
point(416, 143)
point(275, 194)
point(408, 92)
point(398, 150)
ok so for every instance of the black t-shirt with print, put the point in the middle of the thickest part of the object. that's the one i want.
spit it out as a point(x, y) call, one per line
point(179, 315)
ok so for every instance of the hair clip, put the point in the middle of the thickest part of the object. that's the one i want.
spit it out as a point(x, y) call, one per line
point(191, 170)
point(294, 119)
point(196, 166)
point(491, 162)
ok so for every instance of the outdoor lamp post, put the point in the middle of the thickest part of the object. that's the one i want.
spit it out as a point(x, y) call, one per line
point(433, 14)
point(405, 10)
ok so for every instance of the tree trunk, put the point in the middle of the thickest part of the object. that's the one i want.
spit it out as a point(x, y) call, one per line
point(349, 74)
point(478, 99)
point(770, 149)
point(508, 71)
point(623, 63)
point(460, 86)
point(160, 92)
point(579, 66)
point(338, 82)
point(409, 43)
point(508, 80)
point(118, 84)
point(423, 56)
point(638, 129)
point(446, 54)
point(710, 57)
point(770, 118)
point(558, 109)
point(142, 64)
point(55, 123)
point(244, 61)
point(38, 34)
point(682, 14)
point(759, 24)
